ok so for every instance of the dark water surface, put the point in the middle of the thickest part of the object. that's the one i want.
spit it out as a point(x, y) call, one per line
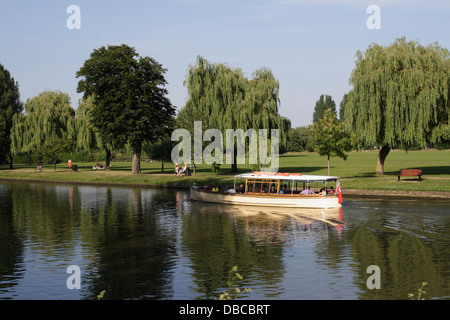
point(142, 243)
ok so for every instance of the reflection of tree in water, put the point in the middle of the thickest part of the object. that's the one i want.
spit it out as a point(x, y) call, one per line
point(135, 250)
point(218, 237)
point(11, 244)
point(125, 235)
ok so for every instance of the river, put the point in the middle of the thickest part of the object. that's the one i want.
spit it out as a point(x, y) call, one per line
point(145, 243)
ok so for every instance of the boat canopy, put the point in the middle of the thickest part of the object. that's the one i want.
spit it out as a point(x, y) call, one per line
point(285, 176)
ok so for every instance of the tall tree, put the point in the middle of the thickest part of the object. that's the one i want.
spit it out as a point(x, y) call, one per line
point(223, 98)
point(299, 139)
point(88, 136)
point(329, 137)
point(10, 105)
point(325, 102)
point(342, 107)
point(130, 103)
point(48, 117)
point(400, 97)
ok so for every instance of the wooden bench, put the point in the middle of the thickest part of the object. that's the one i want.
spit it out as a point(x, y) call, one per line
point(410, 173)
point(38, 169)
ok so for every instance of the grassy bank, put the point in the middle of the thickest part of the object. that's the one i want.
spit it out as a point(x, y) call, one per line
point(358, 172)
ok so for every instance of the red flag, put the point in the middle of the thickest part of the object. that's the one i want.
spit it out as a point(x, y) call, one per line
point(339, 190)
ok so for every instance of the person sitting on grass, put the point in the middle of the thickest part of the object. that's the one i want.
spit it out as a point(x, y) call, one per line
point(177, 170)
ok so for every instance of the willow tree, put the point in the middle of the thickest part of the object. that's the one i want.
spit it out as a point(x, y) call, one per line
point(48, 118)
point(400, 97)
point(88, 136)
point(223, 98)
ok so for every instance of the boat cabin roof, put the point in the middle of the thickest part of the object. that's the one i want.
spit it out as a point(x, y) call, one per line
point(286, 176)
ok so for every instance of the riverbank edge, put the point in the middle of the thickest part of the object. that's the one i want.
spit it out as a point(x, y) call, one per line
point(354, 193)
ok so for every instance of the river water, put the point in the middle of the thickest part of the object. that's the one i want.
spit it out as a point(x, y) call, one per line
point(144, 243)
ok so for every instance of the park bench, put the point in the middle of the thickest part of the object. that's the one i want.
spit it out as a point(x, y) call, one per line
point(38, 169)
point(410, 173)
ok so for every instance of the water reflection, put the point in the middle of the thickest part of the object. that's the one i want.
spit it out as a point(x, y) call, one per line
point(253, 238)
point(139, 243)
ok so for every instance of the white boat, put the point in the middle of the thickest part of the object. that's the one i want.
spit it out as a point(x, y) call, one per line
point(264, 189)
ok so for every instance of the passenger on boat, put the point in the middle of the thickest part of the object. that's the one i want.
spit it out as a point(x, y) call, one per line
point(331, 190)
point(307, 191)
point(286, 188)
point(323, 192)
point(241, 188)
point(230, 190)
point(215, 189)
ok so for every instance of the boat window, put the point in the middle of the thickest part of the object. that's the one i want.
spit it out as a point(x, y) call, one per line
point(262, 186)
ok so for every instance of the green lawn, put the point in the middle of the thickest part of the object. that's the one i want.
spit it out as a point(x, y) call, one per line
point(358, 172)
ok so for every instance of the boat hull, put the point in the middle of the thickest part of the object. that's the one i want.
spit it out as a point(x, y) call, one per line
point(296, 201)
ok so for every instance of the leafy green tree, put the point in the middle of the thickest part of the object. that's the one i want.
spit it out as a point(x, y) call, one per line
point(324, 103)
point(299, 139)
point(160, 150)
point(52, 150)
point(10, 105)
point(342, 107)
point(130, 103)
point(329, 137)
point(48, 117)
point(400, 97)
point(223, 98)
point(88, 136)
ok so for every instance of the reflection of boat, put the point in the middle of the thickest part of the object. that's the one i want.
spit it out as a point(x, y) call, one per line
point(264, 189)
point(304, 216)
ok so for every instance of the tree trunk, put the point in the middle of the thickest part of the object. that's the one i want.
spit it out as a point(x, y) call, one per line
point(108, 158)
point(11, 166)
point(381, 157)
point(136, 164)
point(329, 170)
point(234, 164)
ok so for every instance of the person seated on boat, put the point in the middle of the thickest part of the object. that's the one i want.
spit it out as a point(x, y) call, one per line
point(241, 188)
point(230, 190)
point(323, 192)
point(331, 190)
point(286, 188)
point(307, 191)
point(281, 191)
point(215, 189)
point(272, 189)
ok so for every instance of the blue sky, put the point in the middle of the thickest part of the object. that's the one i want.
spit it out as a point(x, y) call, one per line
point(309, 45)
